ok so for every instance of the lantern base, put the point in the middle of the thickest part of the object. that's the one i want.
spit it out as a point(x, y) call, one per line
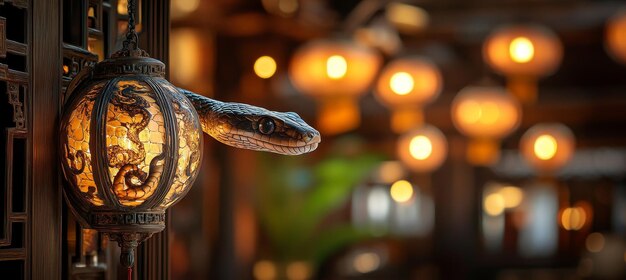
point(120, 221)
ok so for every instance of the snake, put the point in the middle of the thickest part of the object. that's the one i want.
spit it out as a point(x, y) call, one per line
point(254, 128)
point(235, 124)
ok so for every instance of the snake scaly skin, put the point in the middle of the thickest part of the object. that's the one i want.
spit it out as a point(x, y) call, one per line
point(254, 128)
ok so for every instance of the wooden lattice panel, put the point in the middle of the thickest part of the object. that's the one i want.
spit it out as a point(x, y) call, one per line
point(14, 96)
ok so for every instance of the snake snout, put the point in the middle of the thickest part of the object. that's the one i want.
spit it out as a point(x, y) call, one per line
point(312, 137)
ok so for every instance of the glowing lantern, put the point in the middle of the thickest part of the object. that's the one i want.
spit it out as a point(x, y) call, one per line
point(423, 149)
point(336, 73)
point(523, 53)
point(405, 85)
point(548, 147)
point(616, 36)
point(485, 114)
point(131, 145)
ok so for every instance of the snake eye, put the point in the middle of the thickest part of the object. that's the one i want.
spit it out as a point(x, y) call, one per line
point(266, 126)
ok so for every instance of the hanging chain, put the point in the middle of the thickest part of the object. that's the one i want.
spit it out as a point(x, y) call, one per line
point(130, 46)
point(131, 35)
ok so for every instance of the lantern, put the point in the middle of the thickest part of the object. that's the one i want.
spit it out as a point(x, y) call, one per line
point(130, 146)
point(548, 147)
point(485, 114)
point(423, 149)
point(405, 85)
point(523, 53)
point(616, 36)
point(336, 73)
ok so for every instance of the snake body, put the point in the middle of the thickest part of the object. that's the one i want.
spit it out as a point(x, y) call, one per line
point(235, 124)
point(254, 128)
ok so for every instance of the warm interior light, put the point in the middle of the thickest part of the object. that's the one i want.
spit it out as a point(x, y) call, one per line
point(265, 67)
point(405, 17)
point(122, 7)
point(186, 56)
point(548, 146)
point(521, 50)
point(298, 271)
point(288, 6)
point(366, 262)
point(595, 242)
point(573, 218)
point(485, 112)
point(545, 147)
point(421, 147)
point(264, 270)
point(336, 67)
point(512, 196)
point(494, 204)
point(401, 83)
point(401, 191)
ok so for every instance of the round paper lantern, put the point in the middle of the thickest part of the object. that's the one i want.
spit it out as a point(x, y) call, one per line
point(548, 147)
point(423, 149)
point(336, 73)
point(404, 86)
point(485, 114)
point(616, 36)
point(523, 53)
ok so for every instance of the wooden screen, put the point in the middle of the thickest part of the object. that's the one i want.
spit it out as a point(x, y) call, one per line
point(14, 94)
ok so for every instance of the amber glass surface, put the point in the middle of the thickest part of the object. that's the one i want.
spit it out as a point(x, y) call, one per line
point(77, 152)
point(189, 146)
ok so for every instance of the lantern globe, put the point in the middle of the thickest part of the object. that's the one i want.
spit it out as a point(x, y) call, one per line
point(408, 82)
point(523, 50)
point(423, 149)
point(485, 112)
point(130, 146)
point(548, 146)
point(327, 68)
point(615, 41)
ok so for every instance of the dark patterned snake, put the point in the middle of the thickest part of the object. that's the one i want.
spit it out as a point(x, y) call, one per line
point(254, 128)
point(235, 124)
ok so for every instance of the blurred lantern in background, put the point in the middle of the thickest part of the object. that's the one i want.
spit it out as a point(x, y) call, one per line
point(406, 18)
point(423, 149)
point(523, 53)
point(548, 147)
point(336, 73)
point(485, 114)
point(405, 85)
point(616, 36)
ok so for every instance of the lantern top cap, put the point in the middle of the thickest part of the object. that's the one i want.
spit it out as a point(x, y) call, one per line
point(129, 65)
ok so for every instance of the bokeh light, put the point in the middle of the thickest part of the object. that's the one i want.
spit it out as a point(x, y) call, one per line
point(264, 270)
point(422, 149)
point(521, 50)
point(336, 67)
point(512, 196)
point(401, 83)
point(545, 147)
point(573, 218)
point(265, 67)
point(494, 204)
point(401, 191)
point(595, 242)
point(366, 262)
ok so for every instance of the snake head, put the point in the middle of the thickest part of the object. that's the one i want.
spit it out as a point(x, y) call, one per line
point(254, 128)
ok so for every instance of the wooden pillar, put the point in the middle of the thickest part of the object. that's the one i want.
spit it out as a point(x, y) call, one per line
point(45, 81)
